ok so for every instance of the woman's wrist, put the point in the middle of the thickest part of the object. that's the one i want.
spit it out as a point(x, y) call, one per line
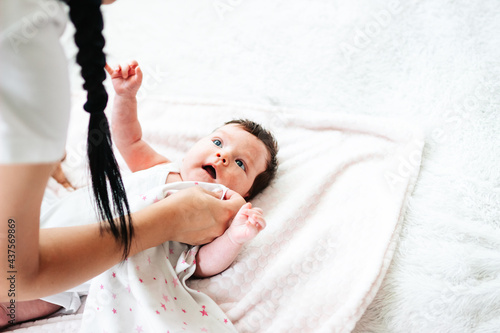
point(148, 229)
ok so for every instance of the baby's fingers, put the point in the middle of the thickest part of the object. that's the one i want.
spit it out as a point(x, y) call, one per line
point(138, 72)
point(108, 69)
point(133, 64)
point(114, 72)
point(257, 209)
point(124, 70)
point(128, 69)
point(258, 221)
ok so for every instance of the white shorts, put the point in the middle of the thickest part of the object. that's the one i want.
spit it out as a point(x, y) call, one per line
point(34, 82)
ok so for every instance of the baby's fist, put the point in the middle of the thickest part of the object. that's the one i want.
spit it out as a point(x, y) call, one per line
point(126, 78)
point(247, 223)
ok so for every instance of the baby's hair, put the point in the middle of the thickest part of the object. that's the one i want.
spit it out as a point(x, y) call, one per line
point(87, 19)
point(267, 176)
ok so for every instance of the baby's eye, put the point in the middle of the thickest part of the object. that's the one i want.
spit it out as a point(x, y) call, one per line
point(217, 142)
point(240, 164)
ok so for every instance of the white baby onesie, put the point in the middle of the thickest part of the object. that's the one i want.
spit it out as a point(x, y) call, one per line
point(148, 291)
point(61, 208)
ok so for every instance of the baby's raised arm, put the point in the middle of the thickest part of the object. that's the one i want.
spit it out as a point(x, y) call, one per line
point(125, 126)
point(215, 257)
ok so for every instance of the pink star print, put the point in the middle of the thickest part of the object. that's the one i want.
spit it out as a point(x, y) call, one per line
point(157, 312)
point(140, 280)
point(183, 310)
point(166, 298)
point(204, 329)
point(225, 321)
point(174, 281)
point(113, 275)
point(128, 288)
point(149, 260)
point(114, 296)
point(102, 287)
point(164, 306)
point(144, 197)
point(171, 251)
point(156, 200)
point(204, 313)
point(139, 329)
point(114, 311)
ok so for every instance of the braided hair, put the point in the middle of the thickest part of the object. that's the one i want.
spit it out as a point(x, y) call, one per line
point(88, 21)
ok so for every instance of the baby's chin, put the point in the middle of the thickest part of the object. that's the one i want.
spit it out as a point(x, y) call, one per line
point(196, 175)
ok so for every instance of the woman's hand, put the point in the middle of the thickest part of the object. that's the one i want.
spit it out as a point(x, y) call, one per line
point(193, 216)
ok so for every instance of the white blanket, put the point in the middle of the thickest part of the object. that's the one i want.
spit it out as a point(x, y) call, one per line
point(333, 213)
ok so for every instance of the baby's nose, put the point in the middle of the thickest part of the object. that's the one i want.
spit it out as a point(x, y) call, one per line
point(223, 158)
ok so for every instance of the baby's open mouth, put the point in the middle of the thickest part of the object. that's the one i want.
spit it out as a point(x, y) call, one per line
point(210, 170)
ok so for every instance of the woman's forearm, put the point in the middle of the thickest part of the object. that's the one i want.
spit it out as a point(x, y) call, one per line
point(70, 256)
point(36, 263)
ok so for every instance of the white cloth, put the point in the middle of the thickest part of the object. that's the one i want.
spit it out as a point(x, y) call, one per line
point(148, 291)
point(60, 208)
point(34, 82)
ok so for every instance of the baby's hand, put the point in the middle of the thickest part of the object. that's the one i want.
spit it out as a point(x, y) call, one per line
point(126, 78)
point(247, 223)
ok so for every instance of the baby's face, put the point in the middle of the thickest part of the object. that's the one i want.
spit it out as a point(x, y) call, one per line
point(229, 156)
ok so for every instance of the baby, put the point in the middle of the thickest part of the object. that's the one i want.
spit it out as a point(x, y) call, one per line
point(240, 155)
point(151, 291)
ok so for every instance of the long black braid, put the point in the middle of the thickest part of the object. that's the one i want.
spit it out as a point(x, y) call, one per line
point(87, 19)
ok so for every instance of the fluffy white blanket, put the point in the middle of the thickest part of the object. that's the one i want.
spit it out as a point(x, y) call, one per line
point(333, 213)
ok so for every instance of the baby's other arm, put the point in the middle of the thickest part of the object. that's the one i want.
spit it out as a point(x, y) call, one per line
point(215, 257)
point(126, 129)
